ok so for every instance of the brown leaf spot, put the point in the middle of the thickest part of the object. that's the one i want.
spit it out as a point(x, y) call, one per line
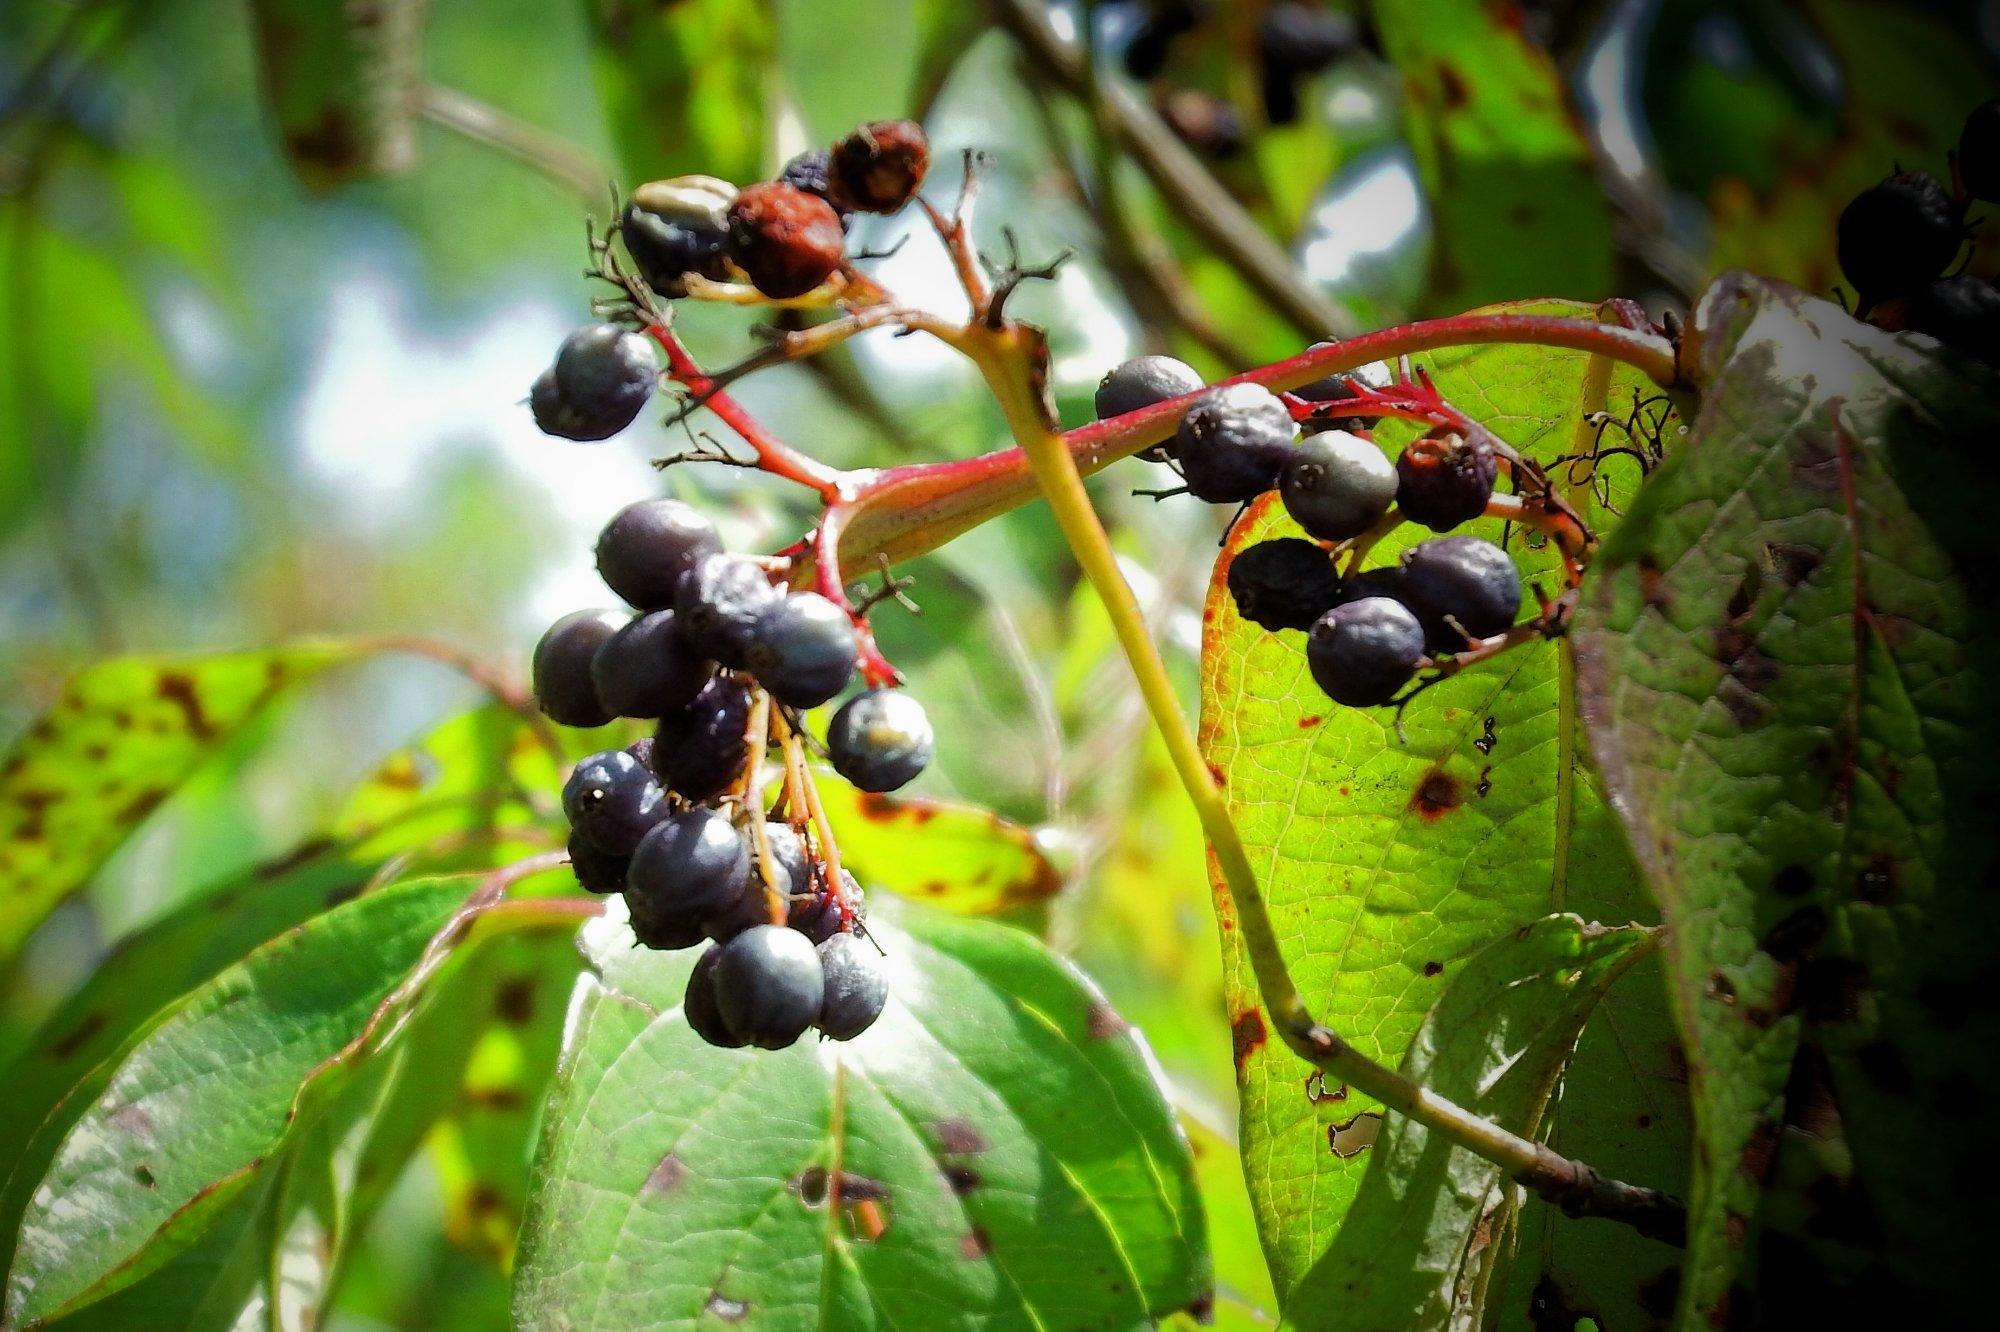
point(1792, 563)
point(1792, 881)
point(1433, 968)
point(144, 1175)
point(1437, 794)
point(957, 1137)
point(1316, 1091)
point(1876, 883)
point(1650, 579)
point(1246, 1036)
point(1759, 1150)
point(1357, 1135)
point(1720, 988)
point(179, 690)
point(514, 1002)
point(1797, 934)
point(1452, 86)
point(664, 1177)
point(1202, 1308)
point(975, 1244)
point(76, 1037)
point(1735, 1229)
point(1104, 1021)
point(1310, 720)
point(1832, 989)
point(962, 1179)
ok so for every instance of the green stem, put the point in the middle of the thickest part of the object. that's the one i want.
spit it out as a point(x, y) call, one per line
point(1008, 361)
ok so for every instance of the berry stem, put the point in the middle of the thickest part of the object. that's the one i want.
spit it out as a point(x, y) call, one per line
point(799, 779)
point(1010, 357)
point(773, 454)
point(825, 548)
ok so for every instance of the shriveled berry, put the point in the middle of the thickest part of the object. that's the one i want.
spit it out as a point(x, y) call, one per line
point(1458, 587)
point(646, 669)
point(1897, 236)
point(880, 740)
point(693, 864)
point(718, 603)
point(1337, 485)
point(648, 545)
point(1962, 312)
point(1232, 443)
point(698, 1006)
point(1361, 654)
point(1979, 152)
point(820, 919)
point(802, 650)
point(612, 799)
point(857, 986)
point(1142, 382)
point(1283, 584)
point(672, 228)
point(563, 686)
point(700, 750)
point(1444, 479)
point(879, 167)
point(600, 381)
point(786, 241)
point(811, 171)
point(769, 986)
point(596, 870)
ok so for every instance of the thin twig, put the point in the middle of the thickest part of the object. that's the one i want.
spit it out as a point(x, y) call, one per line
point(550, 154)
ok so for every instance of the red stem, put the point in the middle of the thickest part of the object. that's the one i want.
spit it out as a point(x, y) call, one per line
point(773, 454)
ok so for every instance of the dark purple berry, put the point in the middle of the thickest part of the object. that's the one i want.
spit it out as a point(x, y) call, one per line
point(820, 919)
point(1896, 237)
point(1232, 443)
point(809, 171)
point(786, 241)
point(613, 800)
point(1444, 479)
point(718, 603)
point(879, 167)
point(1363, 653)
point(563, 685)
point(857, 986)
point(660, 927)
point(648, 545)
point(1962, 312)
point(1337, 485)
point(1385, 581)
point(1341, 388)
point(701, 749)
point(694, 863)
point(596, 870)
point(1979, 152)
point(672, 228)
point(769, 986)
point(646, 669)
point(600, 381)
point(1460, 587)
point(880, 740)
point(802, 650)
point(699, 1006)
point(1142, 382)
point(1283, 584)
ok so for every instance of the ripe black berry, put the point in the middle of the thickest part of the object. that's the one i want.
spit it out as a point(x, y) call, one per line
point(1142, 382)
point(802, 650)
point(1897, 236)
point(601, 378)
point(596, 870)
point(1979, 152)
point(1460, 579)
point(648, 545)
point(1385, 581)
point(1337, 485)
point(700, 750)
point(820, 919)
point(880, 740)
point(718, 603)
point(1340, 387)
point(878, 168)
point(786, 241)
point(563, 687)
point(693, 863)
point(646, 669)
point(810, 171)
point(1444, 479)
point(613, 800)
point(1283, 584)
point(1232, 443)
point(857, 986)
point(699, 1006)
point(769, 986)
point(1304, 39)
point(1362, 653)
point(659, 927)
point(675, 227)
point(1962, 312)
point(792, 867)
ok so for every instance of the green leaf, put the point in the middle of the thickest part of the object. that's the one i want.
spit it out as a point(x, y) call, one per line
point(1509, 177)
point(683, 85)
point(195, 1113)
point(1788, 656)
point(343, 84)
point(1431, 1220)
point(1387, 864)
point(1000, 1148)
point(831, 100)
point(953, 856)
point(123, 735)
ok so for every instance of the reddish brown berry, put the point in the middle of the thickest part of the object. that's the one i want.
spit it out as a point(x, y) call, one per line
point(878, 168)
point(786, 240)
point(1444, 479)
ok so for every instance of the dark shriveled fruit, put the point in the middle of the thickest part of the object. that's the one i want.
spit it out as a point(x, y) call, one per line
point(646, 669)
point(880, 740)
point(769, 986)
point(1361, 654)
point(785, 240)
point(879, 167)
point(648, 545)
point(1283, 584)
point(698, 1005)
point(857, 986)
point(1444, 479)
point(1337, 485)
point(1899, 235)
point(563, 686)
point(1458, 587)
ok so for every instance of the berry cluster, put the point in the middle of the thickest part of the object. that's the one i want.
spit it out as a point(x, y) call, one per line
point(1896, 241)
point(1371, 631)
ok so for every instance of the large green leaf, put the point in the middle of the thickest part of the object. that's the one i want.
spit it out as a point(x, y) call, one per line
point(123, 735)
point(999, 1150)
point(684, 84)
point(199, 1108)
point(1789, 652)
point(1431, 1221)
point(1509, 177)
point(1388, 862)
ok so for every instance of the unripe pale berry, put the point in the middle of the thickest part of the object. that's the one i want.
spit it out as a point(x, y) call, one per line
point(880, 740)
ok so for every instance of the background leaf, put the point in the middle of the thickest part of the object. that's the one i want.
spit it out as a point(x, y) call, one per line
point(1788, 655)
point(953, 856)
point(1001, 1150)
point(343, 84)
point(684, 85)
